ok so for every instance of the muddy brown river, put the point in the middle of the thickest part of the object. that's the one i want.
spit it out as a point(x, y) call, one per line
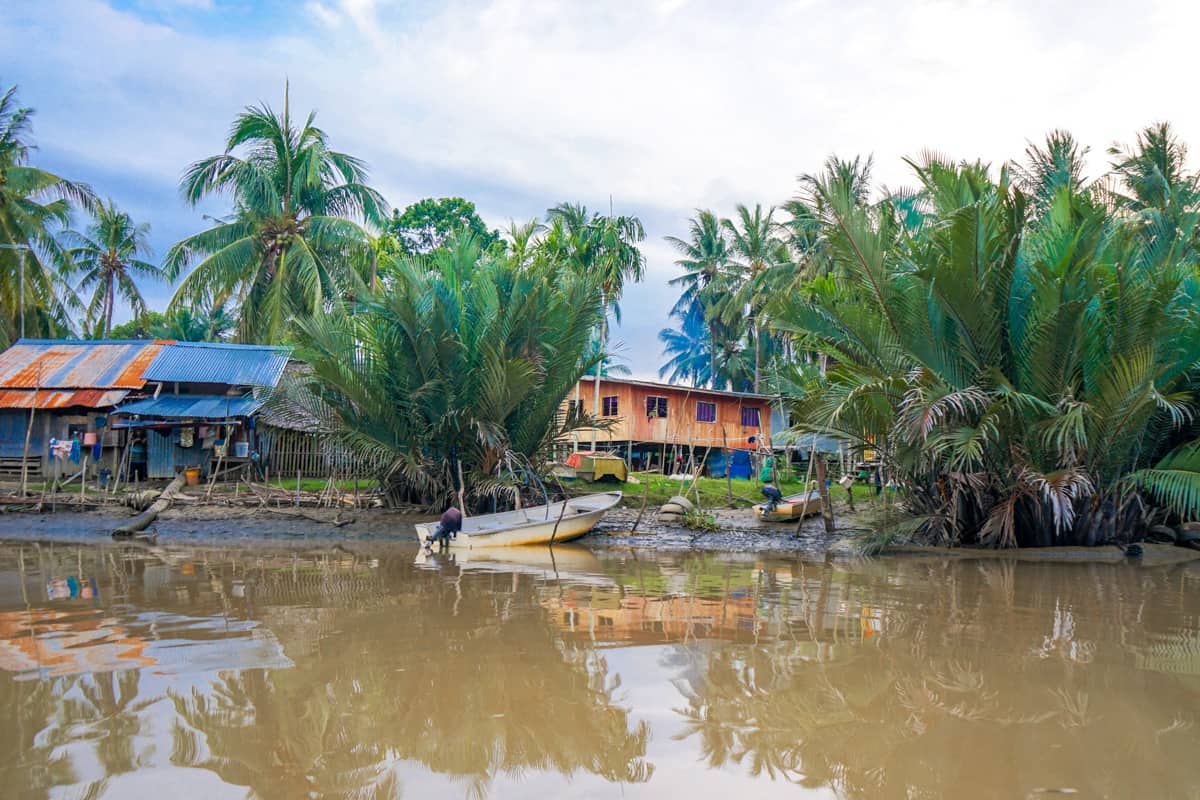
point(209, 673)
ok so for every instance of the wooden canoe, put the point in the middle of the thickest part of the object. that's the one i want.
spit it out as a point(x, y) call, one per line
point(791, 507)
point(529, 526)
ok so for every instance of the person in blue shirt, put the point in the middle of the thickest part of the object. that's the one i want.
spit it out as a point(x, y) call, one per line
point(138, 457)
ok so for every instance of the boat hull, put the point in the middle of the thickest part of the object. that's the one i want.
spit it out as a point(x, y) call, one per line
point(529, 526)
point(790, 508)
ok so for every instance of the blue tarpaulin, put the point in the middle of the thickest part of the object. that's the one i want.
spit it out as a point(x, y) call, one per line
point(738, 465)
point(191, 407)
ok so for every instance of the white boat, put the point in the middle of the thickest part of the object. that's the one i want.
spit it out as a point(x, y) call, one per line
point(557, 522)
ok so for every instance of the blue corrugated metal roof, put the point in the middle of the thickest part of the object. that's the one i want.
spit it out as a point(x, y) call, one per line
point(233, 364)
point(191, 406)
point(804, 441)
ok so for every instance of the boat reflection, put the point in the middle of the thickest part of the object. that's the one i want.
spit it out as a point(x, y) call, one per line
point(363, 674)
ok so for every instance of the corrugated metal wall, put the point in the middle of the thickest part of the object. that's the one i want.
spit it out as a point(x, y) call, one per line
point(161, 452)
point(165, 455)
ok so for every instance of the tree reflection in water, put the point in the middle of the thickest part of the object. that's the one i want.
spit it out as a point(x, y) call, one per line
point(985, 681)
point(465, 679)
point(896, 677)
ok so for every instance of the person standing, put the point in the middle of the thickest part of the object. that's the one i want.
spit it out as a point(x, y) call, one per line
point(138, 457)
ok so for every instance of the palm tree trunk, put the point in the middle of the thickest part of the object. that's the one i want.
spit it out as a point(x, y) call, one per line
point(712, 355)
point(603, 344)
point(108, 308)
point(757, 353)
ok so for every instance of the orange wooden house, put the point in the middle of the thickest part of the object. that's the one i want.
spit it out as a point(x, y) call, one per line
point(654, 423)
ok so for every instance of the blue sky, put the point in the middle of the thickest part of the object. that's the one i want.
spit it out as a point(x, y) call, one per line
point(666, 105)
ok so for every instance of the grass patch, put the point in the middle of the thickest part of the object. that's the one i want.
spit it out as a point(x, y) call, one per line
point(701, 521)
point(318, 484)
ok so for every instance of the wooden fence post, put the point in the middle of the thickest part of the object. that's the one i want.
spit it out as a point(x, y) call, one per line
point(823, 490)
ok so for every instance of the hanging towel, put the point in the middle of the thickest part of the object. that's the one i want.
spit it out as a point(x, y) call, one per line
point(75, 454)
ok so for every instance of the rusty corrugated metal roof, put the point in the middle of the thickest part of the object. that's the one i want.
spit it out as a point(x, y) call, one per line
point(62, 398)
point(60, 364)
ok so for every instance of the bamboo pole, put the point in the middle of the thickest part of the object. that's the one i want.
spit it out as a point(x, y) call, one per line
point(29, 434)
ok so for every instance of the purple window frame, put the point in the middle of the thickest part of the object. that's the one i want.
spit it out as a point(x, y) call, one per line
point(656, 407)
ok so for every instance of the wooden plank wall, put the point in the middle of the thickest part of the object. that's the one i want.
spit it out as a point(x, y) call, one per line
point(681, 426)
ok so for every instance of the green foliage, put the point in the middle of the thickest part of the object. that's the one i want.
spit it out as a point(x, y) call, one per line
point(140, 327)
point(34, 206)
point(1013, 360)
point(293, 245)
point(1174, 481)
point(425, 225)
point(731, 267)
point(462, 356)
point(698, 520)
point(110, 255)
point(181, 325)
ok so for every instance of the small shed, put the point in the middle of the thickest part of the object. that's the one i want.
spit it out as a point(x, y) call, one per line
point(69, 387)
point(203, 411)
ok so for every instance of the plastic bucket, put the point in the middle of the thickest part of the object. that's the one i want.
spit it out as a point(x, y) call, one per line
point(192, 476)
point(241, 449)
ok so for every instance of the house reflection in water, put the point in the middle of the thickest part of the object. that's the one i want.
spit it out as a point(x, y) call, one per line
point(755, 605)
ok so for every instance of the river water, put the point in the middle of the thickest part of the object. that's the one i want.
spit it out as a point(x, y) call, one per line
point(209, 673)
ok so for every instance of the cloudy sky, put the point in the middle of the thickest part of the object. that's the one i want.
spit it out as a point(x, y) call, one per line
point(664, 105)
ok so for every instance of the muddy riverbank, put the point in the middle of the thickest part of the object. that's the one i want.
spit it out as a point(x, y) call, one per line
point(310, 528)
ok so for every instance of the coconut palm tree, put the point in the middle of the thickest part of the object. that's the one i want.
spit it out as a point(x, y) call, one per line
point(35, 298)
point(758, 253)
point(295, 238)
point(111, 255)
point(688, 348)
point(604, 247)
point(705, 260)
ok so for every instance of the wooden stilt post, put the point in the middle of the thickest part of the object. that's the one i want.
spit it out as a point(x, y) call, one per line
point(823, 490)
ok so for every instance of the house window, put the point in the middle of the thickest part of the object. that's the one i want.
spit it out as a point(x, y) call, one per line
point(706, 412)
point(656, 407)
point(750, 418)
point(610, 406)
point(574, 408)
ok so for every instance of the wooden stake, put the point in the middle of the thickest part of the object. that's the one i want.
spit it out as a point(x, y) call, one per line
point(728, 459)
point(462, 488)
point(29, 434)
point(823, 490)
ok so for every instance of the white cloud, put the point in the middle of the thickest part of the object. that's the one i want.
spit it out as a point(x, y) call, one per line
point(670, 106)
point(324, 14)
